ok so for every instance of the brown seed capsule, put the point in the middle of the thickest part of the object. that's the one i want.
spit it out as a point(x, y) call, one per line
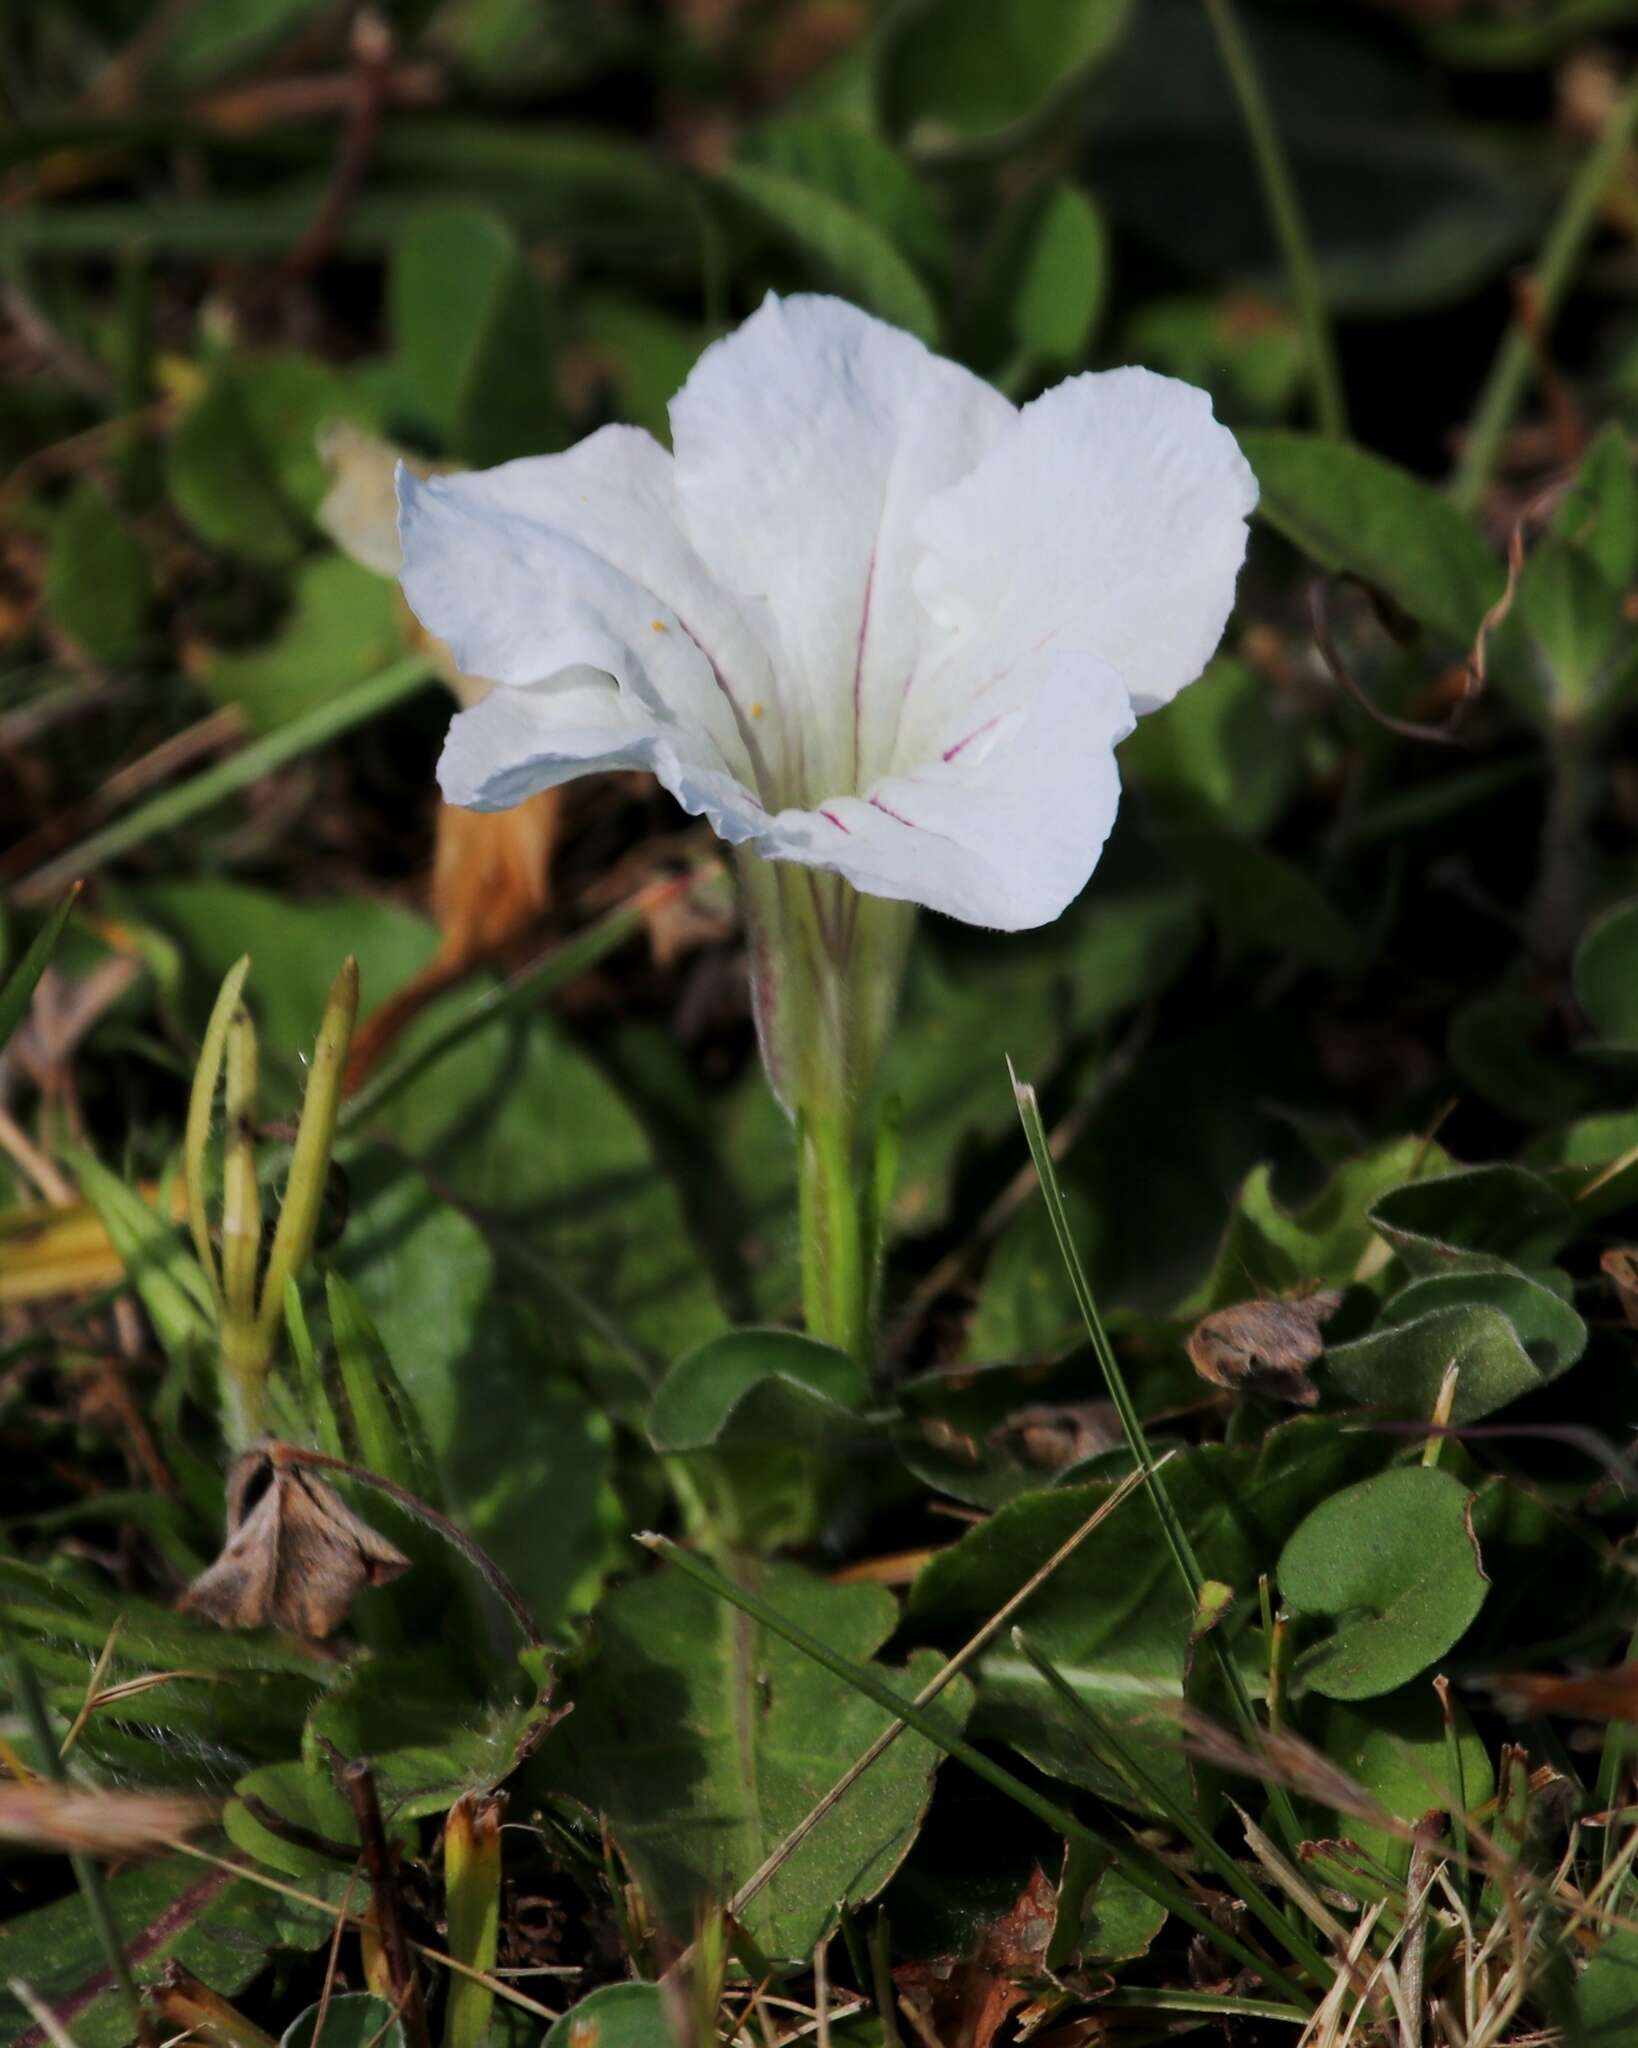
point(296, 1554)
point(1264, 1346)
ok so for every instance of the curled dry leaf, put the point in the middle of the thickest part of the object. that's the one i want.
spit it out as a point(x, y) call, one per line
point(964, 2002)
point(296, 1554)
point(1264, 1347)
point(91, 1820)
point(1620, 1267)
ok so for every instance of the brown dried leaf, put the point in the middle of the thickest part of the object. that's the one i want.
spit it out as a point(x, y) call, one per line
point(1620, 1266)
point(1264, 1346)
point(92, 1820)
point(964, 2002)
point(296, 1554)
point(1056, 1434)
point(1599, 1695)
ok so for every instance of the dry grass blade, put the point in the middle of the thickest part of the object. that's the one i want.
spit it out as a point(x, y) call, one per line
point(91, 1820)
point(1297, 1764)
point(350, 1916)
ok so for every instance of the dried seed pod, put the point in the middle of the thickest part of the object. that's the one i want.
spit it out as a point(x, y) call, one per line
point(296, 1554)
point(1264, 1346)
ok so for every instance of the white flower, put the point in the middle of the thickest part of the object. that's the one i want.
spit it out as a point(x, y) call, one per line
point(870, 617)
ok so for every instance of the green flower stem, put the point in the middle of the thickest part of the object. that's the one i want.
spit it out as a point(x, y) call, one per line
point(1560, 254)
point(835, 1263)
point(1285, 213)
point(827, 964)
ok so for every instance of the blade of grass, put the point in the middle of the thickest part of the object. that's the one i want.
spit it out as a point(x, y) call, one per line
point(1107, 1745)
point(1145, 1871)
point(1139, 1998)
point(1188, 1565)
point(315, 728)
point(1561, 252)
point(25, 976)
point(1285, 215)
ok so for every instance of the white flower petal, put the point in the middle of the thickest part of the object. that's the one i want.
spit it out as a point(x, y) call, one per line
point(520, 740)
point(1111, 518)
point(1004, 825)
point(808, 441)
point(577, 561)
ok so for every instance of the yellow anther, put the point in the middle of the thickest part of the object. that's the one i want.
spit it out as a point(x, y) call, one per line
point(658, 626)
point(757, 710)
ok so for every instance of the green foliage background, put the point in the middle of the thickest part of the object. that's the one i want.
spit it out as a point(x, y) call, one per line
point(1352, 1002)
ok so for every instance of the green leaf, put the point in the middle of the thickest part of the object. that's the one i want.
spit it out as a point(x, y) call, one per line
point(243, 466)
point(427, 1733)
point(18, 990)
point(618, 2016)
point(704, 1739)
point(1220, 750)
point(863, 172)
point(344, 624)
point(1248, 355)
point(273, 1808)
point(352, 2019)
point(1118, 1922)
point(1505, 1334)
point(213, 42)
point(97, 584)
point(1268, 1249)
point(645, 353)
point(847, 249)
point(1352, 512)
point(175, 1909)
point(791, 1385)
point(1059, 296)
point(1599, 512)
point(1566, 641)
point(1606, 977)
point(1393, 1562)
point(473, 332)
point(961, 72)
point(1606, 1993)
point(160, 1265)
point(1395, 1748)
point(1407, 206)
point(1502, 1045)
point(1115, 1618)
point(1265, 903)
point(1473, 1216)
point(761, 1409)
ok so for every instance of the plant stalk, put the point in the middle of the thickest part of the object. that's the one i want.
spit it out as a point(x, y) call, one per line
point(1285, 214)
point(1560, 255)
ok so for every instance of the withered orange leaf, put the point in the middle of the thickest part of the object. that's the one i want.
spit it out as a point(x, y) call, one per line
point(1599, 1695)
point(964, 2002)
point(1264, 1346)
point(1620, 1265)
point(296, 1554)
